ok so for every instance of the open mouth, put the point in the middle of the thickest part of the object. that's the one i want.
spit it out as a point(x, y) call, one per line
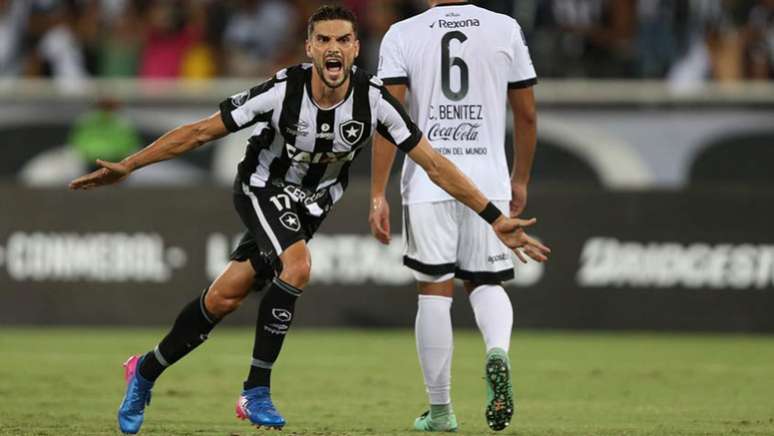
point(333, 65)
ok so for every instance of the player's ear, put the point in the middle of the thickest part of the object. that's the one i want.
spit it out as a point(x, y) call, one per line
point(357, 48)
point(308, 47)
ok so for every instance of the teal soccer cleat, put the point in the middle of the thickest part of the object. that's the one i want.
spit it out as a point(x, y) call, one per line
point(499, 401)
point(138, 395)
point(446, 424)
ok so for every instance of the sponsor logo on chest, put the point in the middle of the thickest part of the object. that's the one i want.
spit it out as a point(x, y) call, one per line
point(297, 155)
point(456, 24)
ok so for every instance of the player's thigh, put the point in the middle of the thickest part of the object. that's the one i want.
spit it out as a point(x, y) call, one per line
point(275, 221)
point(444, 288)
point(481, 257)
point(430, 233)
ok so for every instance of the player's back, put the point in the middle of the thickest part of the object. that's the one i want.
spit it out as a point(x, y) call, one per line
point(459, 61)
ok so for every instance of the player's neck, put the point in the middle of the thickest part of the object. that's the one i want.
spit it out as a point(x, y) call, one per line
point(325, 96)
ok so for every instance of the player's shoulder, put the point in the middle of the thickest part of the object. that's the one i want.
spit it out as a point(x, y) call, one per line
point(291, 72)
point(495, 20)
point(408, 25)
point(363, 77)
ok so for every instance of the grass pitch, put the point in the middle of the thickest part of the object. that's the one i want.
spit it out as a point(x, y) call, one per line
point(346, 382)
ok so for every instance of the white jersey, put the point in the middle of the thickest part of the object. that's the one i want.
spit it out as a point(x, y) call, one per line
point(458, 61)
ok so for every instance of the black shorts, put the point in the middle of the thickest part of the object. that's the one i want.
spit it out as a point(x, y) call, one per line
point(275, 220)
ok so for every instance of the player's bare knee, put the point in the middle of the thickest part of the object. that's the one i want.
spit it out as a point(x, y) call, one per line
point(297, 274)
point(221, 303)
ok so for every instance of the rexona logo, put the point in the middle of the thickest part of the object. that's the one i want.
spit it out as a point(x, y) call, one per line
point(90, 257)
point(610, 262)
point(457, 24)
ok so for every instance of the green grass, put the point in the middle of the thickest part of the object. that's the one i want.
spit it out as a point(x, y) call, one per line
point(345, 382)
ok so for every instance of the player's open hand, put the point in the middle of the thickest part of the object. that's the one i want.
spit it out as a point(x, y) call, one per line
point(511, 232)
point(518, 199)
point(379, 219)
point(111, 172)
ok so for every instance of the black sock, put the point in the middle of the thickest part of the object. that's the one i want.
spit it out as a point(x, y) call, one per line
point(274, 317)
point(191, 328)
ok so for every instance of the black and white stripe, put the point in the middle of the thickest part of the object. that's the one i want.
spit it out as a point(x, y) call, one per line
point(315, 146)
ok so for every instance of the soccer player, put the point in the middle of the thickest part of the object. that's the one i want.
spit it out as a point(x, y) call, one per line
point(324, 113)
point(459, 63)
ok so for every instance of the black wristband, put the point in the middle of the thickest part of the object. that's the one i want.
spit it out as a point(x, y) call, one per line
point(490, 213)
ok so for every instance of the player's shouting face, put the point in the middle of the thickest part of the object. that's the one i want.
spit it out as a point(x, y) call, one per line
point(333, 47)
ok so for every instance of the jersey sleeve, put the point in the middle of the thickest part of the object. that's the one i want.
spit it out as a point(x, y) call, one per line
point(392, 66)
point(394, 124)
point(522, 72)
point(249, 107)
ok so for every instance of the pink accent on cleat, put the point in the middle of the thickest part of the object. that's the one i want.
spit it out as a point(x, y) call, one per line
point(130, 367)
point(241, 413)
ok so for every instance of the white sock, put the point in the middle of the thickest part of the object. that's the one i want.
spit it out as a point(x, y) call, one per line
point(433, 331)
point(494, 315)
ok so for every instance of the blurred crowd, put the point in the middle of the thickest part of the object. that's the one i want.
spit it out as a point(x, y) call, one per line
point(683, 40)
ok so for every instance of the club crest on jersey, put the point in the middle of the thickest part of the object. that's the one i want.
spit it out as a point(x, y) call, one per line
point(240, 99)
point(290, 221)
point(351, 131)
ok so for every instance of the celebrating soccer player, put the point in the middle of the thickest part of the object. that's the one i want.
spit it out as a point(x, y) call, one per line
point(460, 62)
point(324, 114)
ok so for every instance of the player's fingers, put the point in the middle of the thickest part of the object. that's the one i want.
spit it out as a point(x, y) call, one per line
point(526, 223)
point(378, 230)
point(112, 166)
point(516, 210)
point(537, 244)
point(520, 255)
point(81, 182)
point(386, 228)
point(382, 235)
point(534, 254)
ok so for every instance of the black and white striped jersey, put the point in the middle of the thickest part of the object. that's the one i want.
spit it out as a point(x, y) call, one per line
point(317, 145)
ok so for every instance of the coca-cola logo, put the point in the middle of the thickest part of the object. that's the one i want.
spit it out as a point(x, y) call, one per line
point(460, 132)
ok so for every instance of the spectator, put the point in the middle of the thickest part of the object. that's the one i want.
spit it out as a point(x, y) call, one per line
point(103, 134)
point(120, 41)
point(257, 34)
point(378, 19)
point(656, 38)
point(56, 50)
point(201, 60)
point(169, 37)
point(760, 37)
point(13, 24)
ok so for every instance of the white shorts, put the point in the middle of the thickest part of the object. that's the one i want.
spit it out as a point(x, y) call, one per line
point(447, 239)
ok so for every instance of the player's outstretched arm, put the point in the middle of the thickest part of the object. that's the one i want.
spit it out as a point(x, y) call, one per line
point(382, 158)
point(448, 177)
point(170, 145)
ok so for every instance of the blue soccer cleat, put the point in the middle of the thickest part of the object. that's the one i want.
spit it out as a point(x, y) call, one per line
point(138, 395)
point(255, 404)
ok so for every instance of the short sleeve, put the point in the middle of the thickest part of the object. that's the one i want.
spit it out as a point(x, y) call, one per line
point(522, 72)
point(249, 107)
point(392, 66)
point(394, 124)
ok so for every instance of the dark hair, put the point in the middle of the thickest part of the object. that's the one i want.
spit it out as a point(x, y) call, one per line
point(327, 13)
